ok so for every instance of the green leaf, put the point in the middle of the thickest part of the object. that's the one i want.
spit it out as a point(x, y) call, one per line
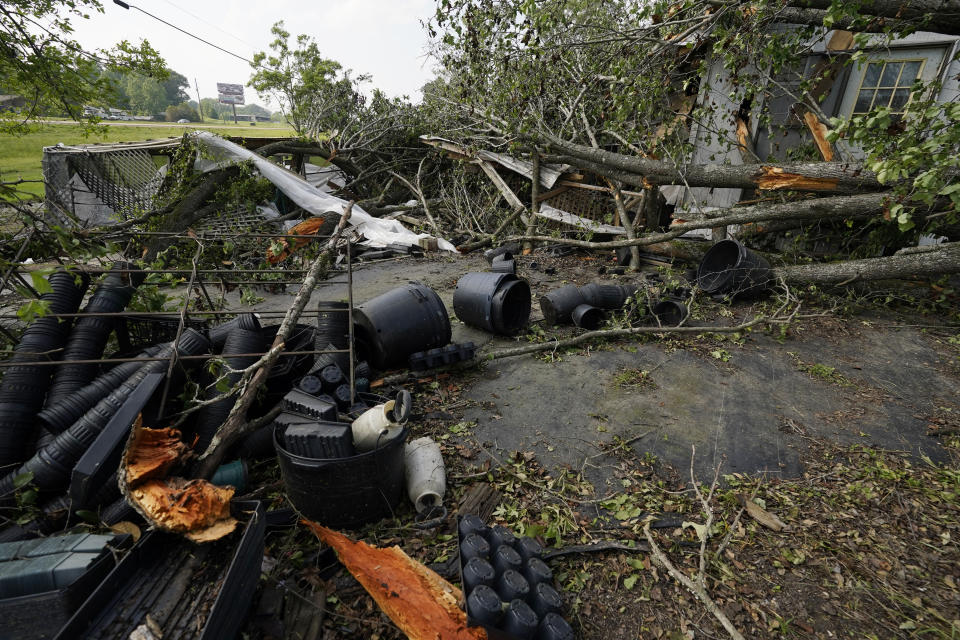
point(22, 479)
point(630, 581)
point(950, 188)
point(41, 284)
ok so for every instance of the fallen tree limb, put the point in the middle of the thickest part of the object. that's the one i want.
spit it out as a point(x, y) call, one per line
point(604, 334)
point(942, 16)
point(483, 242)
point(235, 426)
point(944, 260)
point(310, 149)
point(837, 207)
point(826, 177)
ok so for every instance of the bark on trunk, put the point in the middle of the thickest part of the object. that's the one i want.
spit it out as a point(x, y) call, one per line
point(190, 208)
point(942, 16)
point(838, 207)
point(823, 177)
point(942, 261)
point(815, 17)
point(309, 149)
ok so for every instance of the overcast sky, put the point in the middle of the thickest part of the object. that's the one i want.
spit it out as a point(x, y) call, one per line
point(380, 37)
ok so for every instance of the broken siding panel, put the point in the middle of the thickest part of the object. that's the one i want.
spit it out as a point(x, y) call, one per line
point(558, 215)
point(714, 138)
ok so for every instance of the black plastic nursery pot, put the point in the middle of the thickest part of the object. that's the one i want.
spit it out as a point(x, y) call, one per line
point(495, 302)
point(589, 317)
point(345, 492)
point(558, 305)
point(218, 334)
point(729, 267)
point(402, 321)
point(333, 324)
point(669, 313)
point(211, 417)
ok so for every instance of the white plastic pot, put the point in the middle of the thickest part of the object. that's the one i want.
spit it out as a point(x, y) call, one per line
point(426, 476)
point(374, 427)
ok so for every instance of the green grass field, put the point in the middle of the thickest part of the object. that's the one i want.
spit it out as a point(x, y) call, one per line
point(20, 156)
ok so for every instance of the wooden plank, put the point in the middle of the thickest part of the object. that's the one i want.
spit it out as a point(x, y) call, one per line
point(559, 215)
point(502, 187)
point(819, 131)
point(594, 187)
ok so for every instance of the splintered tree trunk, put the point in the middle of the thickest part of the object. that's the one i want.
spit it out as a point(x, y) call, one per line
point(943, 260)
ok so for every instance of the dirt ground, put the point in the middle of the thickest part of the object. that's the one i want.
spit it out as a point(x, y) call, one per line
point(841, 425)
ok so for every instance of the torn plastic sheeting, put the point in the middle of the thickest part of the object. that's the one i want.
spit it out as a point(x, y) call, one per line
point(378, 232)
point(422, 604)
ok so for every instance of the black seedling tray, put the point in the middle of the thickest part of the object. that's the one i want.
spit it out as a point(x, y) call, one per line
point(493, 632)
point(193, 591)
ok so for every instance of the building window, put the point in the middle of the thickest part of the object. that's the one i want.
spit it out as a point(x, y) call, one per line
point(887, 83)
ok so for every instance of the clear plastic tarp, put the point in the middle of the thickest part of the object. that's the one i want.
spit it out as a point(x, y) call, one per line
point(376, 232)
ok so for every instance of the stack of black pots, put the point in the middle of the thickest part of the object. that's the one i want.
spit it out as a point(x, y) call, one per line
point(89, 335)
point(584, 306)
point(51, 466)
point(23, 388)
point(57, 417)
point(507, 585)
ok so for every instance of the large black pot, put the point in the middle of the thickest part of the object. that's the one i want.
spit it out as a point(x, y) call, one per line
point(729, 267)
point(495, 302)
point(406, 320)
point(345, 492)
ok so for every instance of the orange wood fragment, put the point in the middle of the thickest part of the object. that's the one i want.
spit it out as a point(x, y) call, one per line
point(774, 178)
point(152, 452)
point(819, 131)
point(195, 508)
point(421, 603)
point(308, 227)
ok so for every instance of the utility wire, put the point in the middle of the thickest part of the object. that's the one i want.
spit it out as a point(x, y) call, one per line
point(128, 6)
point(207, 22)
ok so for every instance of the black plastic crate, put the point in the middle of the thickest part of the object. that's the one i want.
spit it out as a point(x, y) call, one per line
point(194, 592)
point(139, 332)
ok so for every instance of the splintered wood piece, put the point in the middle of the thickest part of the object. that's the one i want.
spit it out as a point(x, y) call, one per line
point(192, 507)
point(421, 603)
point(195, 508)
point(480, 499)
point(308, 227)
point(774, 178)
point(152, 452)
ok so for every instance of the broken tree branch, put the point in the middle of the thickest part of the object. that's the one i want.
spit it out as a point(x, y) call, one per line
point(695, 589)
point(944, 260)
point(813, 209)
point(825, 177)
point(604, 334)
point(255, 375)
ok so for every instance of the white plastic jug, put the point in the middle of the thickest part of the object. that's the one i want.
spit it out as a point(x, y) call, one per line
point(426, 475)
point(375, 427)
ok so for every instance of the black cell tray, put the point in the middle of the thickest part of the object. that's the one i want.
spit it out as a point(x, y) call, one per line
point(493, 633)
point(193, 591)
